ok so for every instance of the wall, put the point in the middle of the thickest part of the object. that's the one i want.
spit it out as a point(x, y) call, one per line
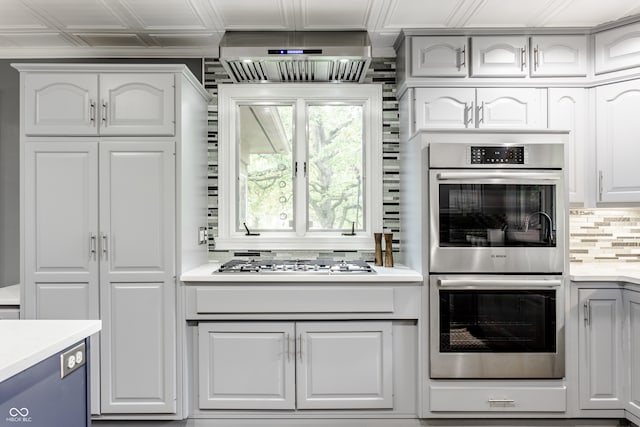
point(10, 155)
point(604, 235)
point(381, 71)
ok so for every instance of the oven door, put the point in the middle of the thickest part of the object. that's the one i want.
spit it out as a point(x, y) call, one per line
point(496, 221)
point(496, 327)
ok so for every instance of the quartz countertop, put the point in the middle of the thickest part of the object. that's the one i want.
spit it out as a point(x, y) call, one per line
point(205, 273)
point(10, 295)
point(605, 272)
point(27, 342)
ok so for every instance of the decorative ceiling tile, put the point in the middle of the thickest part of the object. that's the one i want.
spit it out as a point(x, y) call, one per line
point(14, 15)
point(506, 13)
point(28, 40)
point(111, 40)
point(589, 13)
point(421, 13)
point(254, 14)
point(167, 14)
point(187, 40)
point(323, 15)
point(78, 14)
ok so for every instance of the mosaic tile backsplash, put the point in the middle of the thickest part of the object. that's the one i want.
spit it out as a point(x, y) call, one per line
point(604, 235)
point(381, 71)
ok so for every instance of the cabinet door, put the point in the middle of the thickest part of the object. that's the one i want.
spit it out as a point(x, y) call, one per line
point(617, 49)
point(499, 56)
point(344, 365)
point(246, 365)
point(600, 362)
point(559, 56)
point(60, 104)
point(439, 56)
point(618, 127)
point(60, 228)
point(568, 111)
point(136, 276)
point(521, 108)
point(444, 108)
point(137, 104)
point(632, 305)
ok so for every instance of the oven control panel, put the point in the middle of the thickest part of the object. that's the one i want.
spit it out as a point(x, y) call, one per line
point(484, 155)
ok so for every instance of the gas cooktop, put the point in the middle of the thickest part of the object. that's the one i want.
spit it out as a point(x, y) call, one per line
point(295, 266)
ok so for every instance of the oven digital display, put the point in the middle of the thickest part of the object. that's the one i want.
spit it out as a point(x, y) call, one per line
point(497, 155)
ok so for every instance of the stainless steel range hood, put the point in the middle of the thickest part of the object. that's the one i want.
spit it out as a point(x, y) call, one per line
point(291, 56)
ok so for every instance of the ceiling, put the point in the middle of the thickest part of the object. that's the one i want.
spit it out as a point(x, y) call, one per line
point(193, 28)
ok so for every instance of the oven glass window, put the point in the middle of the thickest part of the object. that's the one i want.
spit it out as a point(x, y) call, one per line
point(497, 321)
point(497, 215)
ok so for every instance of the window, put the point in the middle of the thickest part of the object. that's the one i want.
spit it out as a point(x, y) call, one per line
point(300, 166)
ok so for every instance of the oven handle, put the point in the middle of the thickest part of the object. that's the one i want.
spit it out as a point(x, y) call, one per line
point(498, 283)
point(511, 176)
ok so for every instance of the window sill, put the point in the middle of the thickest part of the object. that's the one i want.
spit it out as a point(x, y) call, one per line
point(345, 243)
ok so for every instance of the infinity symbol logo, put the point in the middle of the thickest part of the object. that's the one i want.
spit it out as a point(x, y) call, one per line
point(14, 412)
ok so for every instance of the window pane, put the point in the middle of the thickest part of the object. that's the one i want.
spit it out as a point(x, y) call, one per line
point(335, 167)
point(265, 190)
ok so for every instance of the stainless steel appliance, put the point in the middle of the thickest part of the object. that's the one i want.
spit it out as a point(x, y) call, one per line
point(496, 326)
point(296, 266)
point(496, 208)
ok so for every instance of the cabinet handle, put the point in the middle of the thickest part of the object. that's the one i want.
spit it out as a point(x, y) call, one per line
point(300, 344)
point(92, 112)
point(468, 115)
point(536, 58)
point(600, 185)
point(105, 246)
point(501, 401)
point(480, 109)
point(104, 113)
point(587, 313)
point(523, 58)
point(92, 246)
point(462, 57)
point(288, 340)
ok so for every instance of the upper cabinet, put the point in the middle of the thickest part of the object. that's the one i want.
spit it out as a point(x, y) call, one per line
point(500, 56)
point(617, 49)
point(99, 104)
point(555, 56)
point(439, 56)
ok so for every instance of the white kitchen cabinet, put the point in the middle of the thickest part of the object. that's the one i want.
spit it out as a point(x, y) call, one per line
point(617, 49)
point(600, 365)
point(496, 108)
point(559, 56)
point(499, 56)
point(567, 110)
point(137, 244)
point(104, 220)
point(303, 365)
point(99, 104)
point(439, 56)
point(632, 309)
point(618, 127)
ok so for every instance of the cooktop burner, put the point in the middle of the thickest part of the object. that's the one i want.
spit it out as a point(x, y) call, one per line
point(295, 266)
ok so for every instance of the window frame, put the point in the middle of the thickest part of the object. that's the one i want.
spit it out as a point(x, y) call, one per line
point(231, 96)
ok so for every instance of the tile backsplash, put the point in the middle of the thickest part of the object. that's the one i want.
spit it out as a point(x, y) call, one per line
point(604, 235)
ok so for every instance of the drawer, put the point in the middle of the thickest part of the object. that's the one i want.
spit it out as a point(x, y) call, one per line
point(284, 299)
point(498, 399)
point(9, 312)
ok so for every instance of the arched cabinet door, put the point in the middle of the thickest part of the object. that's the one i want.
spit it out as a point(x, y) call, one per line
point(60, 103)
point(554, 56)
point(509, 108)
point(500, 56)
point(137, 104)
point(439, 56)
point(444, 108)
point(617, 49)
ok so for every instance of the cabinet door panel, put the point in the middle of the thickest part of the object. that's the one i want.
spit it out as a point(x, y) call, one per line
point(137, 104)
point(444, 108)
point(559, 56)
point(139, 348)
point(600, 364)
point(617, 49)
point(246, 365)
point(568, 111)
point(499, 56)
point(439, 56)
point(523, 108)
point(344, 365)
point(633, 353)
point(60, 104)
point(617, 149)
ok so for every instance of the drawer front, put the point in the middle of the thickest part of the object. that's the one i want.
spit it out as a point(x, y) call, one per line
point(281, 299)
point(498, 399)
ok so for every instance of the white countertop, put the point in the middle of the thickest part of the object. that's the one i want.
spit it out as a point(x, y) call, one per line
point(205, 273)
point(10, 295)
point(605, 272)
point(27, 342)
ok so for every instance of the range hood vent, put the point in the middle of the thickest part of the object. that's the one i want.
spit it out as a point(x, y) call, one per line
point(295, 57)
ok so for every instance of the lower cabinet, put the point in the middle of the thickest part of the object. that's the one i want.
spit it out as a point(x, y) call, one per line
point(600, 365)
point(632, 308)
point(295, 365)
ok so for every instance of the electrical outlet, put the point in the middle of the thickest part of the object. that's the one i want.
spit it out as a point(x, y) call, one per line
point(73, 359)
point(202, 235)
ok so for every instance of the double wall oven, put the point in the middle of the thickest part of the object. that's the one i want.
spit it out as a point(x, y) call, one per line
point(496, 260)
